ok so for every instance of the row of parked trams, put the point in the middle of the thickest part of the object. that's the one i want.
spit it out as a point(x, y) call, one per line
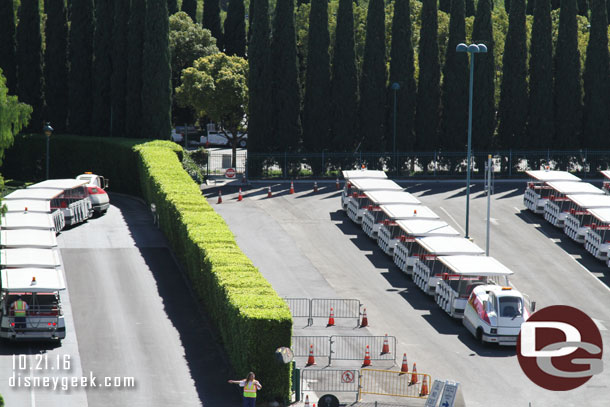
point(32, 276)
point(465, 282)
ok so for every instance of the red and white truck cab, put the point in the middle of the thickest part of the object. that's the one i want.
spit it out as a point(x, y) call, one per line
point(96, 186)
point(537, 191)
point(495, 313)
point(349, 175)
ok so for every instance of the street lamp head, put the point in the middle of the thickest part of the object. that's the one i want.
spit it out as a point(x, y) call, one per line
point(482, 48)
point(461, 47)
point(395, 86)
point(473, 49)
point(47, 129)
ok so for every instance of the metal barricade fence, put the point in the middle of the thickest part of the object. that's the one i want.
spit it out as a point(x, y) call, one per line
point(301, 345)
point(393, 383)
point(299, 307)
point(342, 308)
point(327, 380)
point(354, 348)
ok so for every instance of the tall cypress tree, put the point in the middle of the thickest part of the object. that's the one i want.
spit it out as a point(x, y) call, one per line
point(507, 4)
point(470, 10)
point(483, 107)
point(373, 80)
point(555, 4)
point(529, 9)
point(102, 67)
point(119, 68)
point(567, 88)
point(596, 78)
point(235, 29)
point(344, 81)
point(402, 71)
point(56, 64)
point(583, 7)
point(512, 111)
point(316, 111)
point(454, 123)
point(172, 7)
point(190, 8)
point(211, 20)
point(427, 110)
point(259, 78)
point(29, 61)
point(135, 45)
point(80, 81)
point(444, 5)
point(8, 45)
point(608, 9)
point(156, 74)
point(540, 115)
point(285, 85)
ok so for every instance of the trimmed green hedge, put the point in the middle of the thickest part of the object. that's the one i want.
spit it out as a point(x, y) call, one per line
point(252, 319)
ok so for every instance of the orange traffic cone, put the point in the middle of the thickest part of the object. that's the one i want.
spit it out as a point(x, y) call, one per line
point(315, 187)
point(310, 360)
point(414, 375)
point(367, 357)
point(405, 365)
point(424, 388)
point(365, 320)
point(219, 197)
point(386, 345)
point(239, 197)
point(331, 317)
point(291, 187)
point(306, 401)
point(337, 184)
point(268, 192)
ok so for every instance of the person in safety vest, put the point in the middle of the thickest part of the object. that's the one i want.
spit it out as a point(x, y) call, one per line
point(250, 386)
point(19, 308)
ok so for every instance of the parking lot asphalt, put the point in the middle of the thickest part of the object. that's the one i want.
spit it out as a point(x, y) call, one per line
point(307, 247)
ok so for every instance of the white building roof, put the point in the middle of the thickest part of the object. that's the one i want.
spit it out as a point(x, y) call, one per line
point(28, 238)
point(19, 205)
point(374, 184)
point(606, 173)
point(29, 220)
point(21, 280)
point(67, 183)
point(475, 266)
point(348, 175)
point(426, 227)
point(44, 258)
point(547, 176)
point(567, 188)
point(590, 201)
point(44, 194)
point(449, 245)
point(601, 214)
point(392, 197)
point(408, 211)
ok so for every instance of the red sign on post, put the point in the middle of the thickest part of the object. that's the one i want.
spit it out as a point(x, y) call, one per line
point(230, 173)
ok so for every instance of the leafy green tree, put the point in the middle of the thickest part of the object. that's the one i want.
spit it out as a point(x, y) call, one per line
point(235, 29)
point(102, 68)
point(344, 80)
point(512, 110)
point(427, 110)
point(567, 88)
point(156, 75)
point(454, 114)
point(118, 93)
point(133, 91)
point(29, 61)
point(211, 20)
point(172, 7)
point(80, 81)
point(217, 87)
point(596, 78)
point(13, 116)
point(316, 111)
point(483, 107)
point(190, 8)
point(470, 9)
point(540, 116)
point(402, 71)
point(8, 45)
point(285, 84)
point(373, 81)
point(444, 5)
point(583, 7)
point(56, 64)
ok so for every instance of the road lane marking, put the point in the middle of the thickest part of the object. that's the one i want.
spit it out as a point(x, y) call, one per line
point(588, 271)
point(517, 209)
point(453, 219)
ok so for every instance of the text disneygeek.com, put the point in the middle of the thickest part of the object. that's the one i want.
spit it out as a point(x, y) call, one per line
point(17, 380)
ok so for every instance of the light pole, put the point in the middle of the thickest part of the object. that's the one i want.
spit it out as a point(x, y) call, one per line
point(47, 131)
point(395, 88)
point(471, 49)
